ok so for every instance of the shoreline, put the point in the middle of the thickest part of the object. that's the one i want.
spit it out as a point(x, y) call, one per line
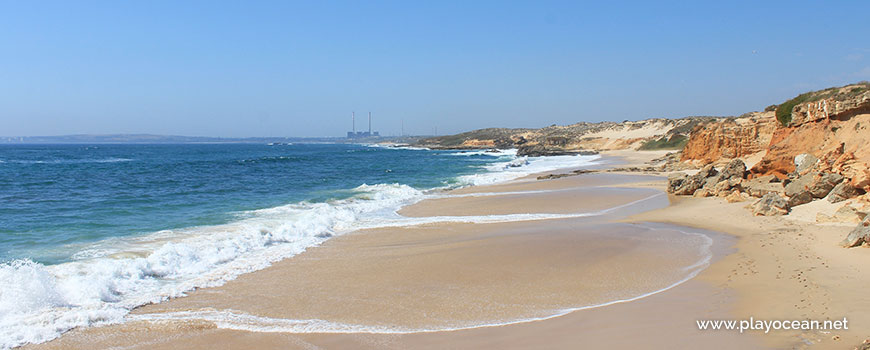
point(707, 280)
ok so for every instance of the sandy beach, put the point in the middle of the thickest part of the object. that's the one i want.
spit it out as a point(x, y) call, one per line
point(633, 275)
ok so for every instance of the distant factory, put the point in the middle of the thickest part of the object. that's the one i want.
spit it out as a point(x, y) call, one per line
point(353, 134)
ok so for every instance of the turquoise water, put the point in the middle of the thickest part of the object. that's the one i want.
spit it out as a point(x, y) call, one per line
point(89, 232)
point(54, 197)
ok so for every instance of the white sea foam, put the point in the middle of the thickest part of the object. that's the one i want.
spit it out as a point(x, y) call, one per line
point(519, 167)
point(491, 153)
point(107, 279)
point(396, 146)
point(68, 161)
point(236, 320)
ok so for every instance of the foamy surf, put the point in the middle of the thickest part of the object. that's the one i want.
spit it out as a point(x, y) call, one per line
point(239, 320)
point(111, 277)
point(516, 167)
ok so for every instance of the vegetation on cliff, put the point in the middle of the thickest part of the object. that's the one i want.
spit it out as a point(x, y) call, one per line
point(665, 142)
point(784, 110)
point(657, 133)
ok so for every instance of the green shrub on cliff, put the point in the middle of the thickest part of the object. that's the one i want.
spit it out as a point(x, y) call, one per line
point(783, 111)
point(666, 142)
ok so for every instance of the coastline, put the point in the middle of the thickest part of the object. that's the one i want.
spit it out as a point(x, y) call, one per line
point(715, 293)
point(783, 267)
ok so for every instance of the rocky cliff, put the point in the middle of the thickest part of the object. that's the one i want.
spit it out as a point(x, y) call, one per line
point(813, 147)
point(731, 138)
point(827, 128)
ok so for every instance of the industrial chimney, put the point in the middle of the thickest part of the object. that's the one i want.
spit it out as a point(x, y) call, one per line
point(370, 123)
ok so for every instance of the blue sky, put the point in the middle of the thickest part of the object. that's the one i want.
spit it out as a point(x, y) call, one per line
point(282, 68)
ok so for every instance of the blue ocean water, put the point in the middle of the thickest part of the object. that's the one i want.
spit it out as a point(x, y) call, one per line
point(89, 232)
point(55, 196)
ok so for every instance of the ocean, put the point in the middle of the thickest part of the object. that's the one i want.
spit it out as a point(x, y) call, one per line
point(89, 232)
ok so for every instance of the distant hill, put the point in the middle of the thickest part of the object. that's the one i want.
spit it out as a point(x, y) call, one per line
point(658, 133)
point(149, 138)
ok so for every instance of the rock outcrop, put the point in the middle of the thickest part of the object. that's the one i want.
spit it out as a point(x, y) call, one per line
point(770, 205)
point(812, 147)
point(833, 125)
point(842, 103)
point(682, 184)
point(708, 181)
point(730, 138)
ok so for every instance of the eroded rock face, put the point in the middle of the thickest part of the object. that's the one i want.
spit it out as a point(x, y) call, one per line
point(828, 108)
point(826, 130)
point(770, 204)
point(858, 235)
point(730, 138)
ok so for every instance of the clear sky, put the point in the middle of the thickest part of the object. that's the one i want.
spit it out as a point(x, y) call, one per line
point(284, 68)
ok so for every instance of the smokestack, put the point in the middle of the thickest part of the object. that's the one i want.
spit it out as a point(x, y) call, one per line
point(353, 120)
point(370, 123)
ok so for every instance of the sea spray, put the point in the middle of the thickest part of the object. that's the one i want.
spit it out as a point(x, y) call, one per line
point(107, 278)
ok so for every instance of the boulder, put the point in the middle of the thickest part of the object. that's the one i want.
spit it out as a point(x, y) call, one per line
point(804, 162)
point(799, 198)
point(762, 185)
point(824, 183)
point(685, 185)
point(734, 169)
point(818, 184)
point(858, 235)
point(843, 191)
point(770, 204)
point(799, 184)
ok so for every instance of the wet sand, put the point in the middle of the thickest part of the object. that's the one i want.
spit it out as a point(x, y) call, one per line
point(464, 275)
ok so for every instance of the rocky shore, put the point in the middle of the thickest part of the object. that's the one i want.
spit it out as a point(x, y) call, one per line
point(797, 154)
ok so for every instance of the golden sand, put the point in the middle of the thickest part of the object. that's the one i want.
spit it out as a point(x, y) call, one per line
point(447, 274)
